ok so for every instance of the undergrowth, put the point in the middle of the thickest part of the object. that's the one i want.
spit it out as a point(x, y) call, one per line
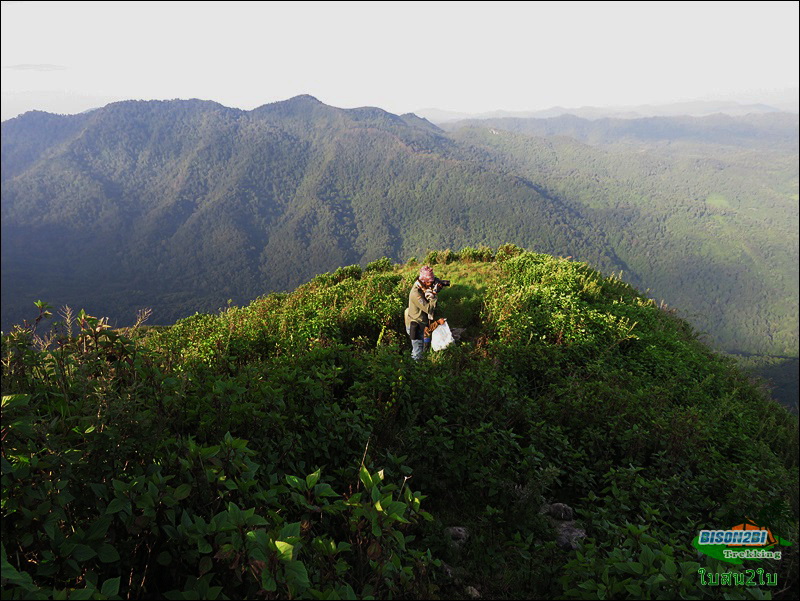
point(291, 448)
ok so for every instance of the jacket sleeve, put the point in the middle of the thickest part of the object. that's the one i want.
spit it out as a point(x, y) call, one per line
point(422, 303)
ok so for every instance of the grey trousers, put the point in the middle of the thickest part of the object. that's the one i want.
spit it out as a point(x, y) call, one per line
point(417, 347)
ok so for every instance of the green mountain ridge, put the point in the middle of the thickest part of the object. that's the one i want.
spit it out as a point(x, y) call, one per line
point(236, 198)
point(183, 205)
point(291, 447)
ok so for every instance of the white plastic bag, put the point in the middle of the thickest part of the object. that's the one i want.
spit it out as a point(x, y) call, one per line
point(442, 337)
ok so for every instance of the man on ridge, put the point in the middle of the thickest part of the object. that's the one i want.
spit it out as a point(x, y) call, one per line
point(421, 305)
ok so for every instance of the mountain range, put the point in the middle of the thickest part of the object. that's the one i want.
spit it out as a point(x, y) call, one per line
point(187, 205)
point(695, 108)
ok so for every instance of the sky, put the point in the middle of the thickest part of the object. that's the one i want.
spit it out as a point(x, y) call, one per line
point(468, 57)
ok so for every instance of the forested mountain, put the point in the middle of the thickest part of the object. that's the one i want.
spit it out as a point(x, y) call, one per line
point(684, 217)
point(182, 205)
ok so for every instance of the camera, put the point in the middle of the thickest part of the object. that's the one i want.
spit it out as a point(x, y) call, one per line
point(439, 284)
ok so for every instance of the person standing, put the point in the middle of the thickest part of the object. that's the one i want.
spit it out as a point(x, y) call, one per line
point(421, 306)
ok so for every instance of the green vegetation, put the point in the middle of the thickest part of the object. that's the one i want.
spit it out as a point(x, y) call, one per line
point(779, 374)
point(290, 448)
point(731, 265)
point(708, 228)
point(182, 205)
point(718, 201)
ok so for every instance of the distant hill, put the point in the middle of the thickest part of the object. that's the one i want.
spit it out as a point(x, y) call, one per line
point(184, 205)
point(773, 131)
point(697, 108)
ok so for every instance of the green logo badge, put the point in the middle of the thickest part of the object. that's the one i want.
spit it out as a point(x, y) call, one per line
point(744, 541)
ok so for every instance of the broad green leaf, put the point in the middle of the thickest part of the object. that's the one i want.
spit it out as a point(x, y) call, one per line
point(15, 400)
point(99, 528)
point(208, 452)
point(366, 479)
point(631, 567)
point(284, 550)
point(290, 530)
point(82, 593)
point(346, 592)
point(296, 575)
point(110, 587)
point(50, 528)
point(646, 556)
point(324, 490)
point(182, 491)
point(116, 505)
point(83, 553)
point(145, 501)
point(396, 508)
point(258, 555)
point(100, 490)
point(268, 582)
point(107, 553)
point(205, 564)
point(22, 579)
point(295, 482)
point(312, 479)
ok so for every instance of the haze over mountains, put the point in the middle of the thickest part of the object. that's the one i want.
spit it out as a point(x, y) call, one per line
point(182, 205)
point(695, 108)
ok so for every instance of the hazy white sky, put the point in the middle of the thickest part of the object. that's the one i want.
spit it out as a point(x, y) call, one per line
point(400, 56)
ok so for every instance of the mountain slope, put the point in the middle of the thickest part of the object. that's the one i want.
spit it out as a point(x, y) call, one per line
point(292, 448)
point(720, 221)
point(208, 203)
point(182, 205)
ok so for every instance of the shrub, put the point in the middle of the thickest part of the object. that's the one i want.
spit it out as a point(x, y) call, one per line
point(506, 251)
point(350, 272)
point(268, 451)
point(379, 266)
point(446, 256)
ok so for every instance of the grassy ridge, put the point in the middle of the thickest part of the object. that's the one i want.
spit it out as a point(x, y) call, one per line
point(291, 448)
